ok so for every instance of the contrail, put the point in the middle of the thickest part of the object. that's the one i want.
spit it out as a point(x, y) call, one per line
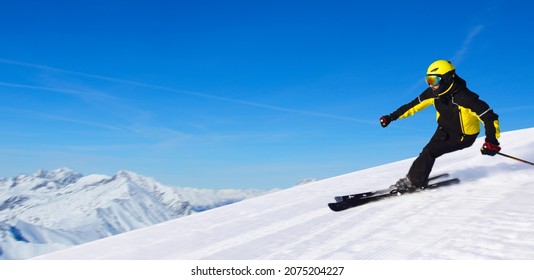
point(168, 89)
point(60, 90)
point(458, 57)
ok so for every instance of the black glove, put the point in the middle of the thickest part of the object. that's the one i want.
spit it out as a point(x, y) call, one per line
point(490, 148)
point(385, 120)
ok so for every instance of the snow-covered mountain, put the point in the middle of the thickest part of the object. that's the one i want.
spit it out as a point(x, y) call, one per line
point(53, 210)
point(490, 215)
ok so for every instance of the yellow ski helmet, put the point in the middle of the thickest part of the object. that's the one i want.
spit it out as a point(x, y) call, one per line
point(440, 68)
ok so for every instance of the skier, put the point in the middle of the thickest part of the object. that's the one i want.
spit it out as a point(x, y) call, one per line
point(459, 113)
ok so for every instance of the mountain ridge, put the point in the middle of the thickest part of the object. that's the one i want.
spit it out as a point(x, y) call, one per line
point(50, 210)
point(489, 215)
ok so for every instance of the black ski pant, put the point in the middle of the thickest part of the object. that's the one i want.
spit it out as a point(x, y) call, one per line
point(442, 142)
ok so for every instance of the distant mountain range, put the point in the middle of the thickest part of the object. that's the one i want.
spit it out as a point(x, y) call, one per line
point(53, 210)
point(488, 216)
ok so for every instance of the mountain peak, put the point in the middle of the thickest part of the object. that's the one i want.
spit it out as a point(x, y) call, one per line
point(64, 208)
point(56, 173)
point(487, 216)
point(130, 175)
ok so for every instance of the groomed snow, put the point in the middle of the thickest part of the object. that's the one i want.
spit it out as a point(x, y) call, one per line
point(490, 215)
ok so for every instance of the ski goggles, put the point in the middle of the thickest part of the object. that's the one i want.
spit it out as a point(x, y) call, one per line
point(433, 80)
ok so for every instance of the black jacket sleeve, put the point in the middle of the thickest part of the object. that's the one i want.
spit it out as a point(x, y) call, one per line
point(404, 108)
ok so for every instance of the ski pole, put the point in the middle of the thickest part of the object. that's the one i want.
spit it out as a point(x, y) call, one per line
point(518, 159)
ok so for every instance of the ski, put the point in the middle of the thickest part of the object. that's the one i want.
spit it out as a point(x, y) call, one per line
point(372, 193)
point(381, 194)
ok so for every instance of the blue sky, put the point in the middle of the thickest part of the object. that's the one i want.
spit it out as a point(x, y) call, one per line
point(239, 94)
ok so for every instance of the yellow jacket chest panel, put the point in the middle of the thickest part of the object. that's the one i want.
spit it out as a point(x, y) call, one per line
point(469, 122)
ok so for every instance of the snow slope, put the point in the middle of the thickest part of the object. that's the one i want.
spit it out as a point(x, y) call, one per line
point(54, 210)
point(490, 215)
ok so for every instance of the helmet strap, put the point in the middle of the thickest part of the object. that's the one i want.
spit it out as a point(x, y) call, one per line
point(447, 90)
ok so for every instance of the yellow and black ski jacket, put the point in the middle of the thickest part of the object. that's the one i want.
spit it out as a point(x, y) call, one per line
point(459, 111)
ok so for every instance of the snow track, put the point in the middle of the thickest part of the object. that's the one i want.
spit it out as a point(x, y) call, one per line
point(490, 215)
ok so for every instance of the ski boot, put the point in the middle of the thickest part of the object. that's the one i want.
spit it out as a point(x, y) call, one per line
point(403, 185)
